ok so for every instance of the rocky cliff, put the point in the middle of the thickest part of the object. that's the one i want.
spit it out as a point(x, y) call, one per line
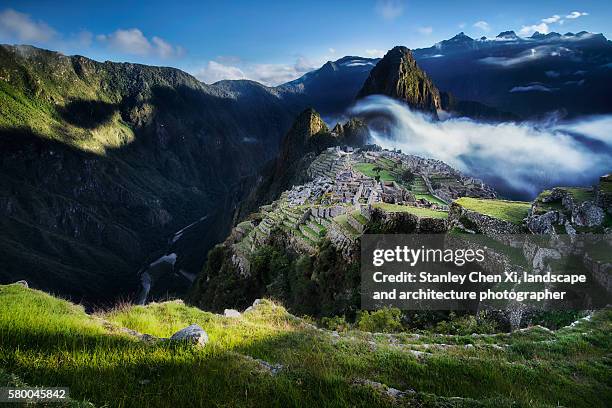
point(397, 75)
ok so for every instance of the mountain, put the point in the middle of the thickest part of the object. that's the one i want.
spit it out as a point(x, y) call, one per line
point(303, 246)
point(569, 74)
point(331, 88)
point(398, 76)
point(101, 163)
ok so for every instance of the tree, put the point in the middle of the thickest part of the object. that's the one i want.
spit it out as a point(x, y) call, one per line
point(407, 176)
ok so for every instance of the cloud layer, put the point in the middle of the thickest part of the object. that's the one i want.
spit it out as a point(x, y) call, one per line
point(519, 159)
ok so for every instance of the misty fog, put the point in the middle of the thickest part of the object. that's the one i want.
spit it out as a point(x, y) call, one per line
point(518, 159)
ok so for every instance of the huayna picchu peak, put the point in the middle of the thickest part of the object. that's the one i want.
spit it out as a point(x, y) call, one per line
point(397, 75)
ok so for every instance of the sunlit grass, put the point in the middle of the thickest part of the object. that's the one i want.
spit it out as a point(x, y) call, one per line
point(48, 341)
point(511, 211)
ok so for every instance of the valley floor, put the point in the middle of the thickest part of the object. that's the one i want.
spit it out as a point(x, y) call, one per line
point(268, 357)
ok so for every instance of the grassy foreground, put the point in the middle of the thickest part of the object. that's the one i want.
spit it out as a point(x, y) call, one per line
point(48, 341)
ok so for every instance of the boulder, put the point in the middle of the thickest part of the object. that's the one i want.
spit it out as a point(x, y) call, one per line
point(544, 224)
point(192, 334)
point(231, 313)
point(587, 214)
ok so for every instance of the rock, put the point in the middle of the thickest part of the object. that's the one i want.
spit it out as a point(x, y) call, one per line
point(570, 229)
point(231, 313)
point(541, 256)
point(192, 334)
point(543, 224)
point(391, 392)
point(22, 283)
point(587, 214)
point(271, 368)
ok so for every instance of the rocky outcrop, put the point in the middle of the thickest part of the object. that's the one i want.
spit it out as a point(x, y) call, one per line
point(587, 214)
point(397, 75)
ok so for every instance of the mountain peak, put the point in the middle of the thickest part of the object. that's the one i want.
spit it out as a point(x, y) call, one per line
point(507, 35)
point(397, 75)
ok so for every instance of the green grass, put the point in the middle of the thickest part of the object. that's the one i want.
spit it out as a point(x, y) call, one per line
point(368, 170)
point(580, 194)
point(342, 220)
point(359, 217)
point(511, 211)
point(48, 341)
point(420, 212)
point(430, 198)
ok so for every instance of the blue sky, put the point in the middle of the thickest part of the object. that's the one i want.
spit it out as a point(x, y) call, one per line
point(274, 41)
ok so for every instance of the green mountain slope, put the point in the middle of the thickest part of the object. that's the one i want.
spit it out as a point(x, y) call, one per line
point(101, 163)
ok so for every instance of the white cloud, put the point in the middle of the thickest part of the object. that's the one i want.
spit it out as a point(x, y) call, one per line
point(532, 54)
point(267, 74)
point(425, 30)
point(483, 25)
point(529, 30)
point(532, 87)
point(133, 41)
point(575, 14)
point(543, 26)
point(375, 53)
point(462, 25)
point(20, 27)
point(215, 71)
point(552, 19)
point(331, 50)
point(390, 9)
point(525, 158)
point(552, 74)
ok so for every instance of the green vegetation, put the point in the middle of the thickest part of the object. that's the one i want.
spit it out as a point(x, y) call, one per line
point(430, 198)
point(419, 212)
point(580, 194)
point(50, 342)
point(368, 169)
point(511, 211)
point(342, 220)
point(386, 320)
point(321, 285)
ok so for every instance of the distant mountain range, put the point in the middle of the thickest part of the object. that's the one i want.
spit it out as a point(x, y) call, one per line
point(568, 74)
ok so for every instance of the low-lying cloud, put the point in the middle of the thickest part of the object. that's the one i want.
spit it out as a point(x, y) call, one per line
point(532, 87)
point(267, 74)
point(518, 159)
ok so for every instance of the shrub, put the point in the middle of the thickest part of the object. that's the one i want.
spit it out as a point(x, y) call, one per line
point(385, 320)
point(467, 324)
point(337, 323)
